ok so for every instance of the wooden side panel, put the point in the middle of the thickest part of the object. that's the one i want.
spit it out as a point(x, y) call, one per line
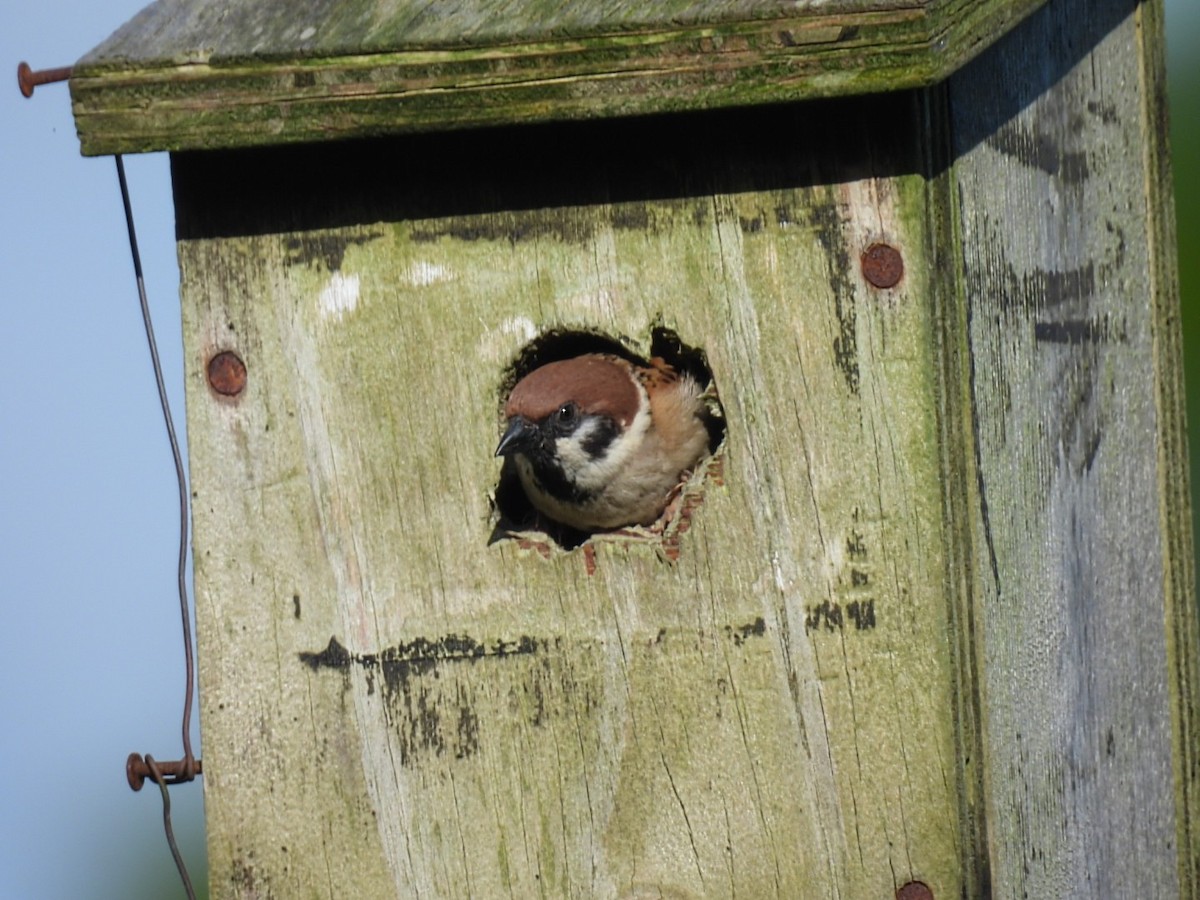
point(391, 705)
point(1085, 602)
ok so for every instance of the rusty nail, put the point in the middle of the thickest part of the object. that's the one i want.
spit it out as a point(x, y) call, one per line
point(882, 265)
point(914, 890)
point(137, 770)
point(227, 373)
point(28, 79)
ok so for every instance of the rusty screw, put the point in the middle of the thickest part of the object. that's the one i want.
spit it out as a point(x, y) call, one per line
point(882, 265)
point(914, 890)
point(28, 79)
point(227, 373)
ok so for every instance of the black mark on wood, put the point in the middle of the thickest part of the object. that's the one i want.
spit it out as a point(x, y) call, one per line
point(1079, 331)
point(1046, 290)
point(468, 726)
point(825, 614)
point(829, 231)
point(334, 656)
point(423, 716)
point(751, 225)
point(856, 546)
point(740, 633)
point(1043, 151)
point(515, 227)
point(247, 880)
point(862, 613)
point(1039, 290)
point(831, 616)
point(327, 250)
point(1105, 112)
point(420, 654)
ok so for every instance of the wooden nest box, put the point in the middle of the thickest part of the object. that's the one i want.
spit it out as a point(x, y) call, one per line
point(924, 624)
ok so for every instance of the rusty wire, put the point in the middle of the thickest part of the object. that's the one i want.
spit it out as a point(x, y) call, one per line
point(137, 768)
point(162, 783)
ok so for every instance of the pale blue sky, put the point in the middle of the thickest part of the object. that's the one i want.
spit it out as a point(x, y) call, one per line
point(90, 659)
point(90, 663)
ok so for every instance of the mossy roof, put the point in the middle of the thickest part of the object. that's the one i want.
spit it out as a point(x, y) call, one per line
point(197, 74)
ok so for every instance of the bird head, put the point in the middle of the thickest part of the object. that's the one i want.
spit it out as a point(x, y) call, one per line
point(565, 417)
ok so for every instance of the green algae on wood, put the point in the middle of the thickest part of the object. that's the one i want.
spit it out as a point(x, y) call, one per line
point(193, 75)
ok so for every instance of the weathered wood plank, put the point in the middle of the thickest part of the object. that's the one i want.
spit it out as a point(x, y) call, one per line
point(195, 74)
point(766, 716)
point(1085, 604)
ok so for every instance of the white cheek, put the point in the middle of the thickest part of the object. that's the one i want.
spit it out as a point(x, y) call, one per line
point(575, 460)
point(620, 450)
point(597, 474)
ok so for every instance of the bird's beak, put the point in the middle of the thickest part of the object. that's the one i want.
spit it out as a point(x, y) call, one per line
point(519, 435)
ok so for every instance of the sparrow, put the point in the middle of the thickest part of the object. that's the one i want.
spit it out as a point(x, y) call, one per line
point(600, 442)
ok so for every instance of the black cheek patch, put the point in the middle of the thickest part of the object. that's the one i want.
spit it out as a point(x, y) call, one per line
point(597, 443)
point(550, 477)
point(547, 472)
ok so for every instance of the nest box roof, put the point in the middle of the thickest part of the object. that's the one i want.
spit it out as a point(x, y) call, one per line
point(197, 74)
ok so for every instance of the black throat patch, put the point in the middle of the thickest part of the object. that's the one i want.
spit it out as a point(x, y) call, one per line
point(547, 468)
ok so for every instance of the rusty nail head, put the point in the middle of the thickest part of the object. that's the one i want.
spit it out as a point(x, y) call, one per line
point(136, 771)
point(914, 890)
point(227, 373)
point(882, 265)
point(28, 79)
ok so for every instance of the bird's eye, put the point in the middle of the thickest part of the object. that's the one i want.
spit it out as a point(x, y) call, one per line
point(566, 415)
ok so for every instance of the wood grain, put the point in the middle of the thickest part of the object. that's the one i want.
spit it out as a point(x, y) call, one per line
point(1084, 587)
